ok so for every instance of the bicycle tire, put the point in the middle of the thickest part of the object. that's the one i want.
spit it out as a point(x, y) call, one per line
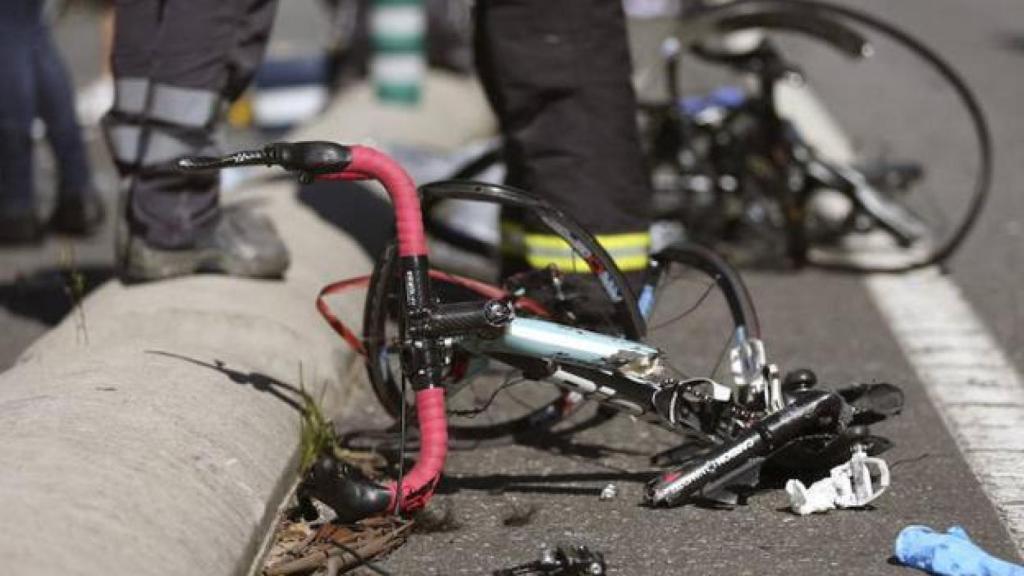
point(734, 289)
point(471, 170)
point(727, 327)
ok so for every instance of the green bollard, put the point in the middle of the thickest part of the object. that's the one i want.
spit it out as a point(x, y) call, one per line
point(398, 30)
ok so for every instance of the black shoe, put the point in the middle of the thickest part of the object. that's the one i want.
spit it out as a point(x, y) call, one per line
point(239, 244)
point(20, 230)
point(78, 215)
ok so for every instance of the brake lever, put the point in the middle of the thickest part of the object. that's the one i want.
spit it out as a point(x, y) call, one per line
point(309, 158)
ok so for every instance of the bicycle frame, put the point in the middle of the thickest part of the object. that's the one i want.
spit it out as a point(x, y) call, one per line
point(618, 372)
point(622, 374)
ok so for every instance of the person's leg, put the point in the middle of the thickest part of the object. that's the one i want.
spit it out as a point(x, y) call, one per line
point(19, 26)
point(558, 76)
point(249, 46)
point(56, 108)
point(174, 60)
point(79, 209)
point(169, 63)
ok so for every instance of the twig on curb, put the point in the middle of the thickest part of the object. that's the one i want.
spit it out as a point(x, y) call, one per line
point(333, 566)
point(350, 556)
point(301, 545)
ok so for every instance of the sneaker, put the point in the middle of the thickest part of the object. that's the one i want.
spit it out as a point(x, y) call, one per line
point(78, 215)
point(241, 243)
point(20, 230)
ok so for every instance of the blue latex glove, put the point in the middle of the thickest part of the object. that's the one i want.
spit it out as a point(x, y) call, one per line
point(949, 554)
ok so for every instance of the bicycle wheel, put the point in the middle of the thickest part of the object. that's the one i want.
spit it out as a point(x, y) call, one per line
point(487, 398)
point(896, 122)
point(440, 228)
point(701, 316)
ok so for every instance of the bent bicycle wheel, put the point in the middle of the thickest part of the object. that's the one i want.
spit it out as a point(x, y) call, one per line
point(490, 399)
point(885, 110)
point(700, 315)
point(441, 226)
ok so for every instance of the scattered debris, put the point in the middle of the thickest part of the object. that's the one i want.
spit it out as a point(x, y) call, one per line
point(948, 554)
point(519, 515)
point(609, 492)
point(324, 513)
point(290, 539)
point(561, 561)
point(849, 485)
point(436, 518)
point(337, 547)
point(311, 538)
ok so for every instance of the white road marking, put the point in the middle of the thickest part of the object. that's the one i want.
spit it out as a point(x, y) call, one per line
point(968, 377)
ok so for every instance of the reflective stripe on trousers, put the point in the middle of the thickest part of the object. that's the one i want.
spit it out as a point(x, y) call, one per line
point(153, 124)
point(629, 250)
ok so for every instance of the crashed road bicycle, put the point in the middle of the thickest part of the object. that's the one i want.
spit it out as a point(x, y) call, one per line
point(433, 339)
point(759, 167)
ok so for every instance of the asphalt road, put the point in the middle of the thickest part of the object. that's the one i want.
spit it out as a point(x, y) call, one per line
point(825, 321)
point(985, 42)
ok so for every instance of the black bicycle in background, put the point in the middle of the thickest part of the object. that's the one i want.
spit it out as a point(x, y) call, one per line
point(760, 170)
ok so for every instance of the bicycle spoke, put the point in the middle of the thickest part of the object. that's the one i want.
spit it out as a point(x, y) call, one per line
point(707, 292)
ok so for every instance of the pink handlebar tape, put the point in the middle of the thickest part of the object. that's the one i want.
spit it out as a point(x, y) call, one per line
point(418, 485)
point(370, 164)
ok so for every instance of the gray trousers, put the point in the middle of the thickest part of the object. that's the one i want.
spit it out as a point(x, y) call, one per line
point(176, 64)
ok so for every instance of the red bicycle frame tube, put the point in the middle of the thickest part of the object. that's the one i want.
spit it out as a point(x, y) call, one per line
point(418, 485)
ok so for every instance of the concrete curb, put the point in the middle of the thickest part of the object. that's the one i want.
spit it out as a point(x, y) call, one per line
point(159, 436)
point(155, 430)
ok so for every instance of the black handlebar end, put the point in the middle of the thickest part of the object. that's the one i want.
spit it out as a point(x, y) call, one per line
point(308, 158)
point(196, 163)
point(243, 158)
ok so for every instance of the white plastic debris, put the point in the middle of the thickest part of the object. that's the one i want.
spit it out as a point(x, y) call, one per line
point(609, 492)
point(850, 485)
point(326, 513)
